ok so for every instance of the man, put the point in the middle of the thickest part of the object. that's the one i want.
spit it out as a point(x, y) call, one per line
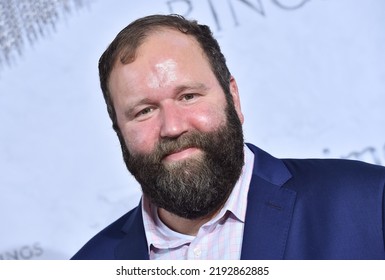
point(206, 195)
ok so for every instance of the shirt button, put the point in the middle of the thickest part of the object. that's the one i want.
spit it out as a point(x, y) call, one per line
point(197, 252)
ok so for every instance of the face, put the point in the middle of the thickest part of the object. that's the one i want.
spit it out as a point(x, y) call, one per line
point(174, 119)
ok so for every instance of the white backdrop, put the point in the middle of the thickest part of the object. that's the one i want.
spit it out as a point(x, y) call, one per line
point(312, 82)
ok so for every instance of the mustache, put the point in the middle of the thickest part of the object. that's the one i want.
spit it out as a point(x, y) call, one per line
point(167, 146)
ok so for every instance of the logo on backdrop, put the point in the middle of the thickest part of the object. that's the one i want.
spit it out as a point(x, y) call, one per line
point(25, 252)
point(218, 8)
point(368, 154)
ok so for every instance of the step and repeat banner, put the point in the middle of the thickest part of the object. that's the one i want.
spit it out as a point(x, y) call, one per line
point(311, 75)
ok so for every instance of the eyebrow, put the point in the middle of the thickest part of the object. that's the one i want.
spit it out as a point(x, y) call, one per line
point(191, 86)
point(177, 90)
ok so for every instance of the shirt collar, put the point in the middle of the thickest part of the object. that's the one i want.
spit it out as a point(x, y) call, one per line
point(237, 201)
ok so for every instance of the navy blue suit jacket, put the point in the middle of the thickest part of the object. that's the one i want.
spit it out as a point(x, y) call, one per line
point(297, 209)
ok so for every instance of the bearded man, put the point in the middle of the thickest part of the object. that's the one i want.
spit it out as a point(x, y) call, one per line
point(206, 194)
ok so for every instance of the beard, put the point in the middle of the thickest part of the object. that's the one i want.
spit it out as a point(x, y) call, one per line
point(197, 186)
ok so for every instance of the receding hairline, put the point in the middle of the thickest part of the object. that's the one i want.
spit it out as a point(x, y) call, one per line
point(126, 55)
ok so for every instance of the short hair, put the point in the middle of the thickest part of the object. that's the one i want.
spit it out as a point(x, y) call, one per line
point(124, 47)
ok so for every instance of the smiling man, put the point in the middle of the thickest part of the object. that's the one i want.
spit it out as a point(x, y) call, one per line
point(206, 195)
point(174, 125)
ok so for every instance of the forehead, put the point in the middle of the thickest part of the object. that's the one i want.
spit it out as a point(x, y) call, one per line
point(169, 42)
point(163, 50)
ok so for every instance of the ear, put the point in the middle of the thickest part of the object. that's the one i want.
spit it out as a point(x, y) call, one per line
point(235, 94)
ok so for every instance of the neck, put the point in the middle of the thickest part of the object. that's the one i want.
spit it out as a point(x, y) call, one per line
point(183, 225)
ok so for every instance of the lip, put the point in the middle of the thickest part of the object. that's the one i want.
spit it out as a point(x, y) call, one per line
point(181, 154)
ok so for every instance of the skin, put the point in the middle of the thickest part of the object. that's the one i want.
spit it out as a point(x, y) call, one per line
point(168, 90)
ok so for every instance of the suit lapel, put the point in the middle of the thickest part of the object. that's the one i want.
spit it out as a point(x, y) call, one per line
point(134, 244)
point(269, 209)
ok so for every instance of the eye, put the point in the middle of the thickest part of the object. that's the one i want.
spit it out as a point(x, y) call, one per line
point(188, 96)
point(144, 112)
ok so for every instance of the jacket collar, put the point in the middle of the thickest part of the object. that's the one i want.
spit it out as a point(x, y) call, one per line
point(134, 244)
point(269, 209)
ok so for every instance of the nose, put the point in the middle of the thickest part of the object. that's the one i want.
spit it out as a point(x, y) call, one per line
point(173, 122)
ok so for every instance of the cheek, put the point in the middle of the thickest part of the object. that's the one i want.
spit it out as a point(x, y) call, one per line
point(208, 119)
point(139, 140)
